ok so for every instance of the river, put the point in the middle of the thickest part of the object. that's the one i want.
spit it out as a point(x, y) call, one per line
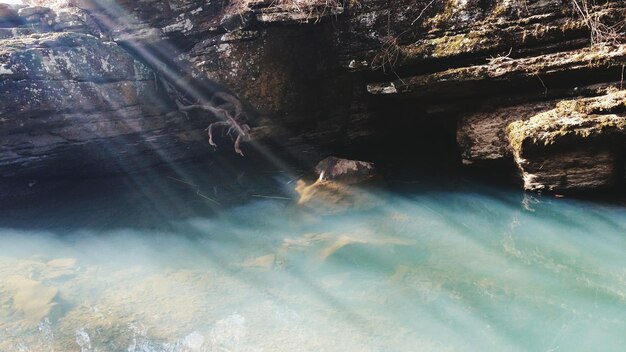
point(161, 264)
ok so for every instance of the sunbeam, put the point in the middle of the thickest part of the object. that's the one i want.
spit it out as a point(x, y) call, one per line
point(312, 175)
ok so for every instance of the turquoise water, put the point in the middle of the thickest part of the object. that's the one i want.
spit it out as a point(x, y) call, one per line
point(433, 267)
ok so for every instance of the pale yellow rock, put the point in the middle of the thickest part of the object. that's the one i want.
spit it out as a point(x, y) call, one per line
point(362, 238)
point(326, 191)
point(64, 263)
point(263, 262)
point(306, 240)
point(331, 197)
point(61, 268)
point(31, 298)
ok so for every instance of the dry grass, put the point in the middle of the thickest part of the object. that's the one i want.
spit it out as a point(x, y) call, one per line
point(307, 10)
point(390, 50)
point(601, 32)
point(311, 9)
point(307, 5)
point(388, 55)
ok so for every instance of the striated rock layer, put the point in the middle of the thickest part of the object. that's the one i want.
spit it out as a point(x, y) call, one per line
point(426, 77)
point(364, 79)
point(580, 145)
point(74, 104)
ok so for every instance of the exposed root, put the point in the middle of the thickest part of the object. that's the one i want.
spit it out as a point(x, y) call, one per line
point(390, 47)
point(387, 58)
point(227, 108)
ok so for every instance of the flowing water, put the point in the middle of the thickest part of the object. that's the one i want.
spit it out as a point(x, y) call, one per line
point(447, 267)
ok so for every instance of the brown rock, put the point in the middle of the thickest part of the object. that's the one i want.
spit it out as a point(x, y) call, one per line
point(578, 146)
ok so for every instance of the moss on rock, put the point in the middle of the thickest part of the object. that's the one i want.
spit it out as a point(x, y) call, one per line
point(580, 117)
point(578, 145)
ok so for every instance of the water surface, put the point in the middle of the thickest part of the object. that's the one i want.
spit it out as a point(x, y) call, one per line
point(444, 267)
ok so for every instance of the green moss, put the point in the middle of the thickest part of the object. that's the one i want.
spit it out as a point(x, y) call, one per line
point(456, 44)
point(584, 118)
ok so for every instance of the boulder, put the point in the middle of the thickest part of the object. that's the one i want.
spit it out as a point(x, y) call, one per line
point(481, 135)
point(345, 171)
point(578, 146)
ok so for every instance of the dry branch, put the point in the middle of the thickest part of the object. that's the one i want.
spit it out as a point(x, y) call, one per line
point(226, 107)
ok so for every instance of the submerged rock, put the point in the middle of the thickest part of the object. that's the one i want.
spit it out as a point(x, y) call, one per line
point(580, 145)
point(31, 299)
point(335, 189)
point(328, 192)
point(319, 247)
point(324, 196)
point(9, 16)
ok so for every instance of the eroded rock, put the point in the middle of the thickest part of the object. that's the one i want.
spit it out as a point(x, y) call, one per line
point(578, 146)
point(326, 75)
point(72, 103)
point(481, 136)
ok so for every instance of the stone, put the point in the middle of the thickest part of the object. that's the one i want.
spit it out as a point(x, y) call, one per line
point(265, 262)
point(345, 171)
point(33, 300)
point(9, 16)
point(328, 192)
point(236, 21)
point(30, 11)
point(73, 104)
point(481, 136)
point(321, 77)
point(326, 244)
point(498, 74)
point(578, 146)
point(328, 197)
point(362, 238)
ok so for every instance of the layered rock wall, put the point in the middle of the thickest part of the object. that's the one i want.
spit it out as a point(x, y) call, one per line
point(369, 77)
point(74, 104)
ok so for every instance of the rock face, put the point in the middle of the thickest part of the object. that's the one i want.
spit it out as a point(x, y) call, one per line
point(360, 74)
point(578, 146)
point(430, 78)
point(480, 135)
point(73, 104)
